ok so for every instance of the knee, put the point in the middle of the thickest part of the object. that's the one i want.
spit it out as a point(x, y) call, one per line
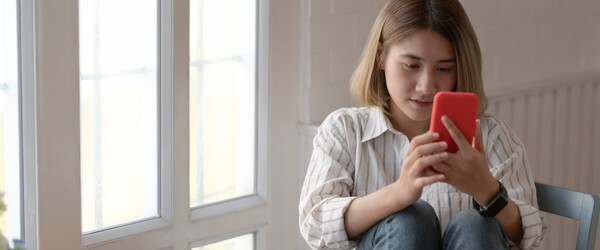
point(419, 216)
point(471, 224)
point(405, 229)
point(472, 219)
point(470, 230)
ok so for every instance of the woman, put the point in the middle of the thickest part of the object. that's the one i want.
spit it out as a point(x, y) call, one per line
point(378, 179)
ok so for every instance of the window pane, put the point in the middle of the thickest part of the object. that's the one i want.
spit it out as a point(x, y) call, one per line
point(244, 242)
point(119, 111)
point(222, 100)
point(10, 149)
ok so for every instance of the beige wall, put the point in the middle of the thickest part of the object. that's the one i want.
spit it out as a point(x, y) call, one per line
point(522, 42)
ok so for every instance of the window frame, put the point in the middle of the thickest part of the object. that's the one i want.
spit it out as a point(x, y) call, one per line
point(26, 34)
point(52, 174)
point(261, 137)
point(165, 144)
point(260, 237)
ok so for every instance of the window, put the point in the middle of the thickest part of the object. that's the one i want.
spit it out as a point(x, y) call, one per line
point(112, 84)
point(119, 103)
point(223, 103)
point(245, 239)
point(244, 242)
point(11, 219)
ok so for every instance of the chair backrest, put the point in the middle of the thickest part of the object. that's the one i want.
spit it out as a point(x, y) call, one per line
point(575, 205)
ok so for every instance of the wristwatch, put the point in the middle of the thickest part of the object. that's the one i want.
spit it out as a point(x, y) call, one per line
point(495, 205)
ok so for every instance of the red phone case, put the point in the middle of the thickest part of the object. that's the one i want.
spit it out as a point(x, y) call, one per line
point(461, 107)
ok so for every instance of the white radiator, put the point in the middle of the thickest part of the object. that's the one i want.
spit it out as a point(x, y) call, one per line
point(559, 123)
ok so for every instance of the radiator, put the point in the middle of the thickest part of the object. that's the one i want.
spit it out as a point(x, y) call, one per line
point(559, 123)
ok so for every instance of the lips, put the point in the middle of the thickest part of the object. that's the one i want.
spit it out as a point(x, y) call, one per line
point(421, 103)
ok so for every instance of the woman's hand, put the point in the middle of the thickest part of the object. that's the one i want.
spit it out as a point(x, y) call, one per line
point(422, 153)
point(467, 169)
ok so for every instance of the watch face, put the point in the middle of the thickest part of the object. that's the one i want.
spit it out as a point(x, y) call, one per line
point(498, 202)
point(495, 205)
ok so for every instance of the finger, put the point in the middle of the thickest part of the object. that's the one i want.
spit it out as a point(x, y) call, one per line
point(428, 180)
point(431, 148)
point(426, 138)
point(417, 151)
point(423, 139)
point(449, 173)
point(430, 171)
point(478, 140)
point(429, 160)
point(442, 167)
point(455, 133)
point(453, 160)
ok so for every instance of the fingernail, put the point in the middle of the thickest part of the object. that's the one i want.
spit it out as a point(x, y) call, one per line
point(444, 155)
point(435, 135)
point(443, 145)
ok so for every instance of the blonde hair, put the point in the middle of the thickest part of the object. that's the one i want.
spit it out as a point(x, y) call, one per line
point(401, 18)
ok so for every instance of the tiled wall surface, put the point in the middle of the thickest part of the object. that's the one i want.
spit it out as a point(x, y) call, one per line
point(522, 42)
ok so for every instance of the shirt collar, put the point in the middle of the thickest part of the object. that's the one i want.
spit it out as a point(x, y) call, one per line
point(377, 124)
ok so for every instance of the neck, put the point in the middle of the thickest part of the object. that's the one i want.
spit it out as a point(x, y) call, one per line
point(406, 125)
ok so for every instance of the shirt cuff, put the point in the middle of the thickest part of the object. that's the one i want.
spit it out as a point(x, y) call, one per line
point(533, 225)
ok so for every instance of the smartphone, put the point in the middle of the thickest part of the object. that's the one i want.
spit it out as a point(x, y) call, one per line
point(461, 107)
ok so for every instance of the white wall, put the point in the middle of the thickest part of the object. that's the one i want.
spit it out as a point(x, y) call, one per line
point(284, 47)
point(522, 42)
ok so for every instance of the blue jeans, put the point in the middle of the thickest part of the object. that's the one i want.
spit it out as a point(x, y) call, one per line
point(417, 227)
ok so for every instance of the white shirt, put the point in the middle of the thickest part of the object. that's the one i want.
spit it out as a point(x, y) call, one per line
point(357, 151)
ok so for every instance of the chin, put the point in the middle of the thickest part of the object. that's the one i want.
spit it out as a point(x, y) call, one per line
point(420, 117)
point(426, 119)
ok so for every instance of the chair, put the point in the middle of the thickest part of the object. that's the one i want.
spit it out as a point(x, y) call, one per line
point(580, 206)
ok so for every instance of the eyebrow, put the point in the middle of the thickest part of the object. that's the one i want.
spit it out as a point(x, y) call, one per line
point(411, 56)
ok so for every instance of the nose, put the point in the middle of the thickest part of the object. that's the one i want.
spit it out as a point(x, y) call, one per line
point(426, 83)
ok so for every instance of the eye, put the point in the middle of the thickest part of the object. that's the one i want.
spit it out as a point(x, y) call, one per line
point(444, 69)
point(411, 66)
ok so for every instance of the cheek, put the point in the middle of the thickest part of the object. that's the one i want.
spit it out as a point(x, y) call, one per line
point(447, 83)
point(396, 90)
point(396, 80)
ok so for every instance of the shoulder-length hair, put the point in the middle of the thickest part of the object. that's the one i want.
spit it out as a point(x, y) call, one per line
point(401, 18)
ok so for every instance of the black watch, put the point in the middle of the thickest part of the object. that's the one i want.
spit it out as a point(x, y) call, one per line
point(495, 205)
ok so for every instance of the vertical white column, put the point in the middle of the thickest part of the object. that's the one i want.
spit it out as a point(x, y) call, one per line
point(27, 62)
point(57, 124)
point(180, 159)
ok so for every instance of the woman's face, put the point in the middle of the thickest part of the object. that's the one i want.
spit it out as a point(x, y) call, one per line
point(415, 69)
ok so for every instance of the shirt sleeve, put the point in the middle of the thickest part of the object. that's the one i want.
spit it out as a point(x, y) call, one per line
point(325, 194)
point(510, 164)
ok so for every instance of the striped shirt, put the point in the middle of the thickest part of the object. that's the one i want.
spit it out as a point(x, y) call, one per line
point(357, 151)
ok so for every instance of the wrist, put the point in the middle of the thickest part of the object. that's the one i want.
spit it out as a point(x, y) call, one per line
point(487, 192)
point(495, 205)
point(400, 198)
